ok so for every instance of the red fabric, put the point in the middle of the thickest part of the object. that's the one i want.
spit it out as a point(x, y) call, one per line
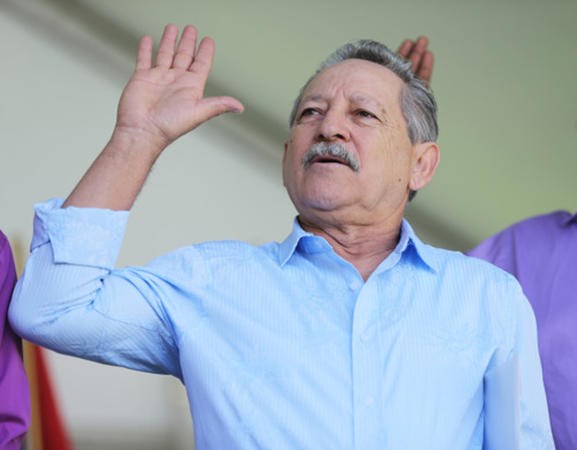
point(54, 433)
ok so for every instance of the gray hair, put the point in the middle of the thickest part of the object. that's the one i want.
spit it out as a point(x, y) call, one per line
point(418, 105)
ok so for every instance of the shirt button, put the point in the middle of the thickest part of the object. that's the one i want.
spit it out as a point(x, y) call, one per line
point(369, 400)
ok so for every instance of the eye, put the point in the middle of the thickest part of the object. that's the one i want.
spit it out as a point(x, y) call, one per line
point(309, 112)
point(366, 114)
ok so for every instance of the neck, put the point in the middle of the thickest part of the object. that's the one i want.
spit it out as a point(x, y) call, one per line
point(364, 246)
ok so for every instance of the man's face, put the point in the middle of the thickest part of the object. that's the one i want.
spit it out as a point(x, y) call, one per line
point(356, 104)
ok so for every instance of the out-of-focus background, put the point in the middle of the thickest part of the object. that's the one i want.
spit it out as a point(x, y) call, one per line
point(504, 80)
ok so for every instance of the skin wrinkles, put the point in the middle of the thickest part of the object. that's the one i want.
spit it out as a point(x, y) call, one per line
point(358, 104)
point(372, 140)
point(355, 105)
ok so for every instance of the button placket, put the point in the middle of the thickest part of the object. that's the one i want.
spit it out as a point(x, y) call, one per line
point(365, 357)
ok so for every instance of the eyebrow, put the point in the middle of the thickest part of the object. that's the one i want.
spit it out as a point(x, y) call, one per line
point(357, 98)
point(312, 98)
point(361, 99)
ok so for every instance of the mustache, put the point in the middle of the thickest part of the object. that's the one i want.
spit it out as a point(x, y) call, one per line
point(330, 149)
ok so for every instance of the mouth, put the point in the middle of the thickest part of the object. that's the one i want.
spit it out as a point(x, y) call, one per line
point(329, 159)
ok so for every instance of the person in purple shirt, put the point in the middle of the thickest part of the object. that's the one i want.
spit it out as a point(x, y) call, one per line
point(14, 392)
point(541, 252)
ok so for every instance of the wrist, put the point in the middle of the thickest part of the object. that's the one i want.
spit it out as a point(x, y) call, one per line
point(140, 141)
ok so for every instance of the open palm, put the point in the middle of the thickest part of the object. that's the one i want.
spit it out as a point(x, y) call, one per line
point(166, 99)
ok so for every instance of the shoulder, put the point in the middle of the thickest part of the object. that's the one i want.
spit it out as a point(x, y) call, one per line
point(532, 234)
point(7, 269)
point(208, 257)
point(232, 250)
point(5, 251)
point(485, 292)
point(3, 241)
point(542, 221)
point(453, 261)
point(197, 265)
point(534, 224)
point(476, 280)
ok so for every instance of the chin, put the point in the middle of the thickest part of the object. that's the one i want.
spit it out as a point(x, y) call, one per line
point(323, 203)
point(320, 197)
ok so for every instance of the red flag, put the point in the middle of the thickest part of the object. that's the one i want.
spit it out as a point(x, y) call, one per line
point(48, 431)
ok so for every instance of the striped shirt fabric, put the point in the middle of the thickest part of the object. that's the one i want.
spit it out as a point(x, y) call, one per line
point(285, 346)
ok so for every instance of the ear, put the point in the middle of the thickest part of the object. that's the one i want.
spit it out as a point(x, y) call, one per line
point(426, 158)
point(286, 144)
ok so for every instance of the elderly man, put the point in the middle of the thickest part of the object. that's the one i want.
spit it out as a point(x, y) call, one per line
point(350, 334)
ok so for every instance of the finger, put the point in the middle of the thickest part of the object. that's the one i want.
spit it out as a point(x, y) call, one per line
point(165, 52)
point(203, 59)
point(425, 71)
point(144, 55)
point(421, 45)
point(405, 48)
point(417, 52)
point(185, 49)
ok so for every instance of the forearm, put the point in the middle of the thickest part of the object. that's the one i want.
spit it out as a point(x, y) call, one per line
point(116, 177)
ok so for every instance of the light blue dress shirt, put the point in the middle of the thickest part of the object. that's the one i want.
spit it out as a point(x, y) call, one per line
point(284, 346)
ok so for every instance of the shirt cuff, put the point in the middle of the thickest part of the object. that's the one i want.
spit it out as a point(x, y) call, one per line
point(83, 236)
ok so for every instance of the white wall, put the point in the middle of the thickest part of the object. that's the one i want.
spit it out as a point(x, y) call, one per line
point(55, 115)
point(504, 80)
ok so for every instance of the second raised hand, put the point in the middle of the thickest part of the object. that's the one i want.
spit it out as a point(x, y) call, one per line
point(166, 100)
point(421, 58)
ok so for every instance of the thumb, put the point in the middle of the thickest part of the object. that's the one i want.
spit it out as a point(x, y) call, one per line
point(215, 106)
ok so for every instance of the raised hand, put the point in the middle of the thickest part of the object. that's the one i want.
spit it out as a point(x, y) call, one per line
point(422, 60)
point(160, 103)
point(165, 100)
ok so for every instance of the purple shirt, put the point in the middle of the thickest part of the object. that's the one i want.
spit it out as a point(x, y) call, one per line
point(14, 392)
point(542, 253)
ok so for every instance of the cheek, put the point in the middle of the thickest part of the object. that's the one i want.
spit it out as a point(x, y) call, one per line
point(295, 150)
point(392, 166)
point(290, 165)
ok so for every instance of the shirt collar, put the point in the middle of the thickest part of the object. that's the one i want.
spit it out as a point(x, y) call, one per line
point(410, 243)
point(305, 241)
point(310, 243)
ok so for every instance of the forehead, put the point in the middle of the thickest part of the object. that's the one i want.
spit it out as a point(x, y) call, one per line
point(355, 78)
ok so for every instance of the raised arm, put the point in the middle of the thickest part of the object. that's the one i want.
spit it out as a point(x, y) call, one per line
point(421, 58)
point(163, 100)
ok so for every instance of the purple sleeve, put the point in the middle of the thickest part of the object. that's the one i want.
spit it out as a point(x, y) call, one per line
point(14, 391)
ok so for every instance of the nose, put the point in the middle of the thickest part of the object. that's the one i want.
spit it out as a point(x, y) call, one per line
point(333, 127)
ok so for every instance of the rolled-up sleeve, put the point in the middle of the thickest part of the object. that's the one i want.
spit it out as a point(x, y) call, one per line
point(82, 236)
point(72, 300)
